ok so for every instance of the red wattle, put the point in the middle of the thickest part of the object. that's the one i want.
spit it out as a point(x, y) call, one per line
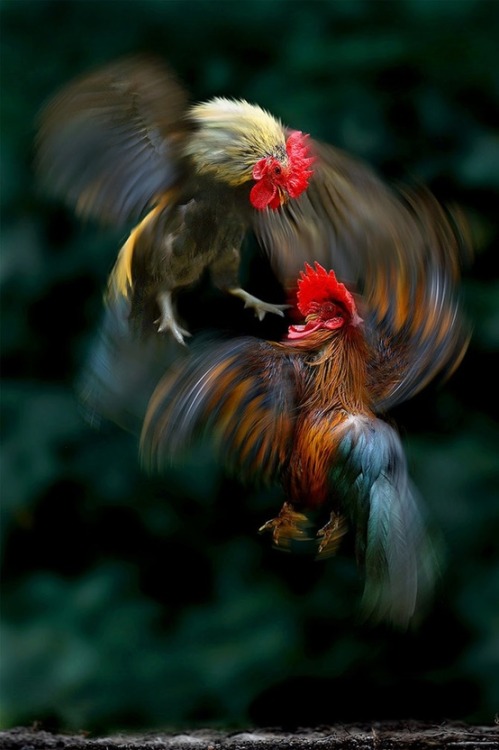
point(264, 194)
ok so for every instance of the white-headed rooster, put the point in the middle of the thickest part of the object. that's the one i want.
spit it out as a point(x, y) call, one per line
point(123, 141)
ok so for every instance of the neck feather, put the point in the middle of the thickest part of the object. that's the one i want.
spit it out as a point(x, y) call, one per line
point(337, 368)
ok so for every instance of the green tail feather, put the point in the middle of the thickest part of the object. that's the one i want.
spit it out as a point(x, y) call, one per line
point(391, 539)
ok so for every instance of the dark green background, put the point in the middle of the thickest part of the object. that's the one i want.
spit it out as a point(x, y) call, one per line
point(131, 601)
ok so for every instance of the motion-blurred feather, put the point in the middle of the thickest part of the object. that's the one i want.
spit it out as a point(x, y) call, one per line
point(123, 141)
point(304, 412)
point(123, 144)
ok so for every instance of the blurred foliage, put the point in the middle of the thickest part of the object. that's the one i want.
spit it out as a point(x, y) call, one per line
point(131, 601)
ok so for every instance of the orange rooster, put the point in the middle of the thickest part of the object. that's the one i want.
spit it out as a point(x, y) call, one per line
point(304, 411)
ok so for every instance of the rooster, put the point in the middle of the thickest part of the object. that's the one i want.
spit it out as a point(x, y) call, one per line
point(307, 411)
point(123, 144)
point(123, 141)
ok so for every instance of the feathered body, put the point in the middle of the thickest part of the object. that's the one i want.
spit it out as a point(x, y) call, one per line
point(306, 411)
point(124, 139)
point(123, 144)
point(203, 223)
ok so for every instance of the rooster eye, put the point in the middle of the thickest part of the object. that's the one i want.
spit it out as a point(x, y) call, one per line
point(277, 170)
point(331, 310)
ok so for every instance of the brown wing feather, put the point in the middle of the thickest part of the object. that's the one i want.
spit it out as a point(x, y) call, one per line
point(416, 310)
point(108, 142)
point(241, 393)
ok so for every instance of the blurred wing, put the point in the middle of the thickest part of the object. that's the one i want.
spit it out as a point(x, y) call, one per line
point(107, 143)
point(241, 393)
point(391, 539)
point(401, 250)
point(123, 368)
point(346, 215)
point(414, 316)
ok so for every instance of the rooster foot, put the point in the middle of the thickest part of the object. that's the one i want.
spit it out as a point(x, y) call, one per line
point(330, 535)
point(287, 526)
point(260, 307)
point(166, 321)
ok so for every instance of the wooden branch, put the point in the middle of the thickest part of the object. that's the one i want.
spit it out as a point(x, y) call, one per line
point(378, 736)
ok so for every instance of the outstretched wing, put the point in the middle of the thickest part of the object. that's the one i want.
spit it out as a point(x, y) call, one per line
point(108, 142)
point(240, 393)
point(346, 216)
point(392, 544)
point(401, 250)
point(415, 319)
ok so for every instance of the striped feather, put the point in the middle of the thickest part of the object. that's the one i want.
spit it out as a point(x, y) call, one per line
point(241, 392)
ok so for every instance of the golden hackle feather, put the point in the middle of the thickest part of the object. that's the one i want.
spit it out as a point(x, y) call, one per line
point(230, 137)
point(336, 368)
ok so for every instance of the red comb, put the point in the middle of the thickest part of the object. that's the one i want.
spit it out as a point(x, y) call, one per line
point(300, 162)
point(318, 285)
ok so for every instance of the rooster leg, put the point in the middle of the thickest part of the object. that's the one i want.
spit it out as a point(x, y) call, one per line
point(288, 525)
point(330, 535)
point(260, 307)
point(166, 321)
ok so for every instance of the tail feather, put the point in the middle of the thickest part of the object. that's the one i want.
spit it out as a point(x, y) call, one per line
point(392, 542)
point(399, 559)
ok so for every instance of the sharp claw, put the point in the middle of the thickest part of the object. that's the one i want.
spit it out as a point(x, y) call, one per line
point(289, 525)
point(331, 535)
point(268, 526)
point(165, 326)
point(175, 330)
point(166, 322)
point(260, 307)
